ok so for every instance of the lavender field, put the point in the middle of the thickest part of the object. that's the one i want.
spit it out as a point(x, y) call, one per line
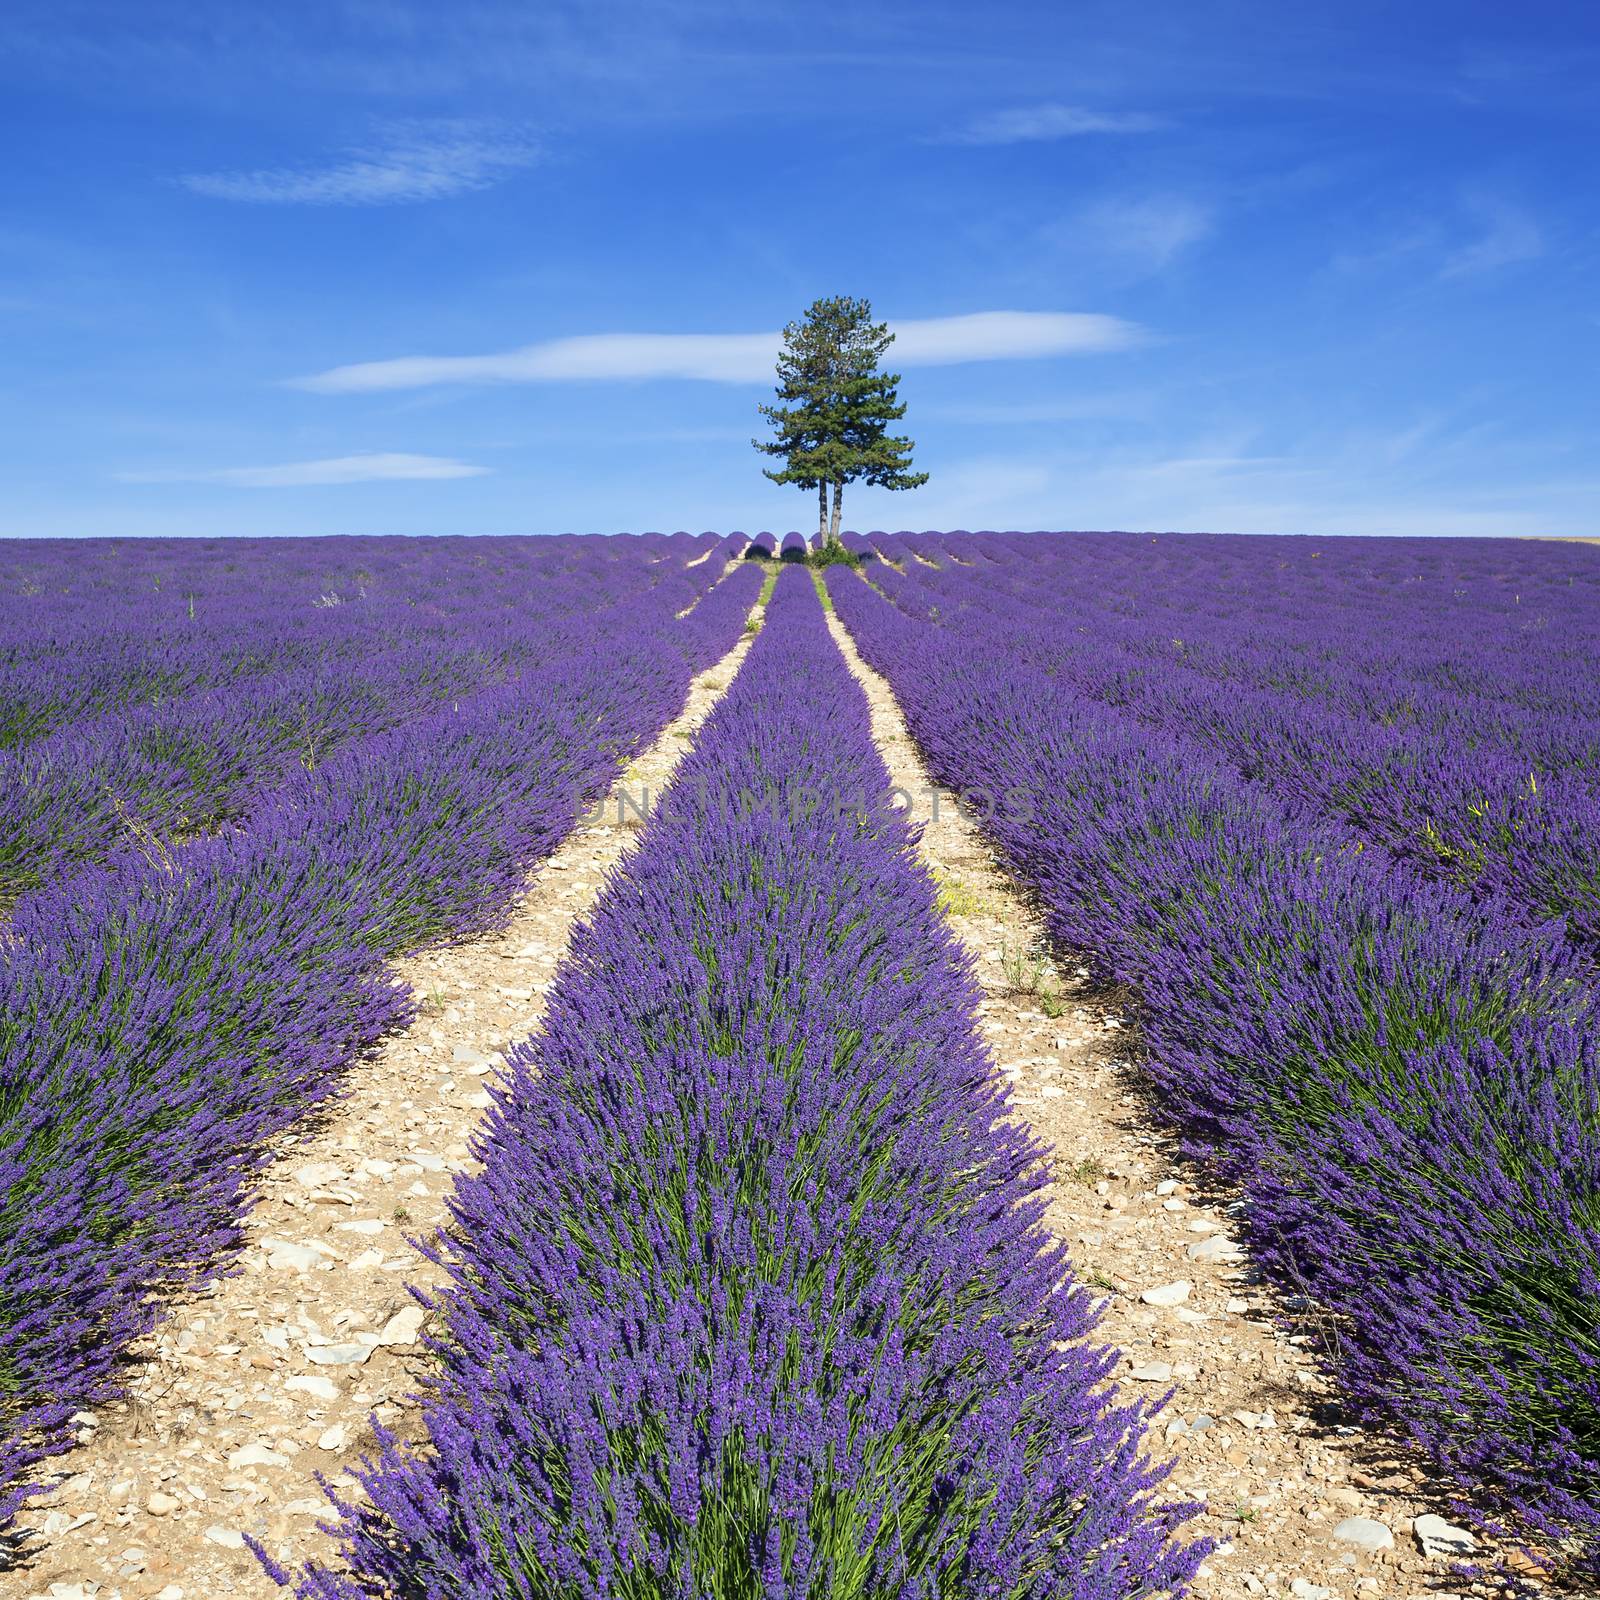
point(755, 1283)
point(237, 779)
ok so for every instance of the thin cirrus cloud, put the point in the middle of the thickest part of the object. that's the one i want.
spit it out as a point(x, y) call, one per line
point(375, 467)
point(410, 163)
point(1146, 233)
point(1038, 124)
point(736, 357)
point(1509, 236)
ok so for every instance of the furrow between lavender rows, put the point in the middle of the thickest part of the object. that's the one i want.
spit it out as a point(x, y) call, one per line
point(1293, 1502)
point(751, 1294)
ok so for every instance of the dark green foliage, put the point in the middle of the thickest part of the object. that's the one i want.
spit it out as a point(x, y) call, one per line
point(835, 407)
point(832, 553)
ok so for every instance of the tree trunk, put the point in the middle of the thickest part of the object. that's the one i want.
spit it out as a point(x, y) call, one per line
point(822, 510)
point(838, 500)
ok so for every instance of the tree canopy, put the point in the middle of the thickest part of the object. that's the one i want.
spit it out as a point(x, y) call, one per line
point(834, 408)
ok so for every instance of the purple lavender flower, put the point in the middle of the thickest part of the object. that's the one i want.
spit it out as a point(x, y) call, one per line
point(165, 1012)
point(751, 1294)
point(1396, 1063)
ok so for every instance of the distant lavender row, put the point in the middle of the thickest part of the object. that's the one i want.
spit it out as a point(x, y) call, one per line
point(159, 1020)
point(1508, 621)
point(136, 781)
point(156, 776)
point(1516, 817)
point(750, 1296)
point(1405, 1084)
point(1438, 651)
point(96, 626)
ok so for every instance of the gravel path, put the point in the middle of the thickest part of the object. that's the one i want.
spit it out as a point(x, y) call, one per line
point(244, 1394)
point(1293, 1502)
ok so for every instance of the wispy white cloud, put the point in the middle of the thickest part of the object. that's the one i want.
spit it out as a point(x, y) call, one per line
point(1149, 231)
point(736, 357)
point(1329, 484)
point(1382, 252)
point(1098, 404)
point(373, 468)
point(1214, 466)
point(410, 162)
point(1008, 336)
point(1509, 235)
point(1503, 234)
point(1037, 124)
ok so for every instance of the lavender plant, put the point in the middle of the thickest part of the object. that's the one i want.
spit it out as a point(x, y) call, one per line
point(750, 1297)
point(161, 1018)
point(1467, 787)
point(1401, 1076)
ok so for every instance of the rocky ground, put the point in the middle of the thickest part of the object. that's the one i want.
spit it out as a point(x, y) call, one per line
point(1300, 1508)
point(246, 1393)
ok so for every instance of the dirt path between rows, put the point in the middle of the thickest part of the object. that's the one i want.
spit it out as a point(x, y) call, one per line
point(244, 1394)
point(1298, 1510)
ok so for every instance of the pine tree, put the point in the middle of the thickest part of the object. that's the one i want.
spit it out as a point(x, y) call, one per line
point(835, 407)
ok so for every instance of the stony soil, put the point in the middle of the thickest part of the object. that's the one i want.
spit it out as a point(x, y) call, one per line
point(1284, 1491)
point(247, 1392)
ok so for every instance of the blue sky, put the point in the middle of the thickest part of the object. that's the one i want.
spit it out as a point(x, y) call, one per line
point(373, 266)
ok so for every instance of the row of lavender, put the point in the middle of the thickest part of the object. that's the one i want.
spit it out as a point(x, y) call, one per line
point(1374, 626)
point(1490, 784)
point(751, 1295)
point(94, 625)
point(163, 1014)
point(1402, 1076)
point(160, 711)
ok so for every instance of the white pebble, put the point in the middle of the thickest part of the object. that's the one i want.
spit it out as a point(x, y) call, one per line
point(322, 1388)
point(339, 1355)
point(1168, 1294)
